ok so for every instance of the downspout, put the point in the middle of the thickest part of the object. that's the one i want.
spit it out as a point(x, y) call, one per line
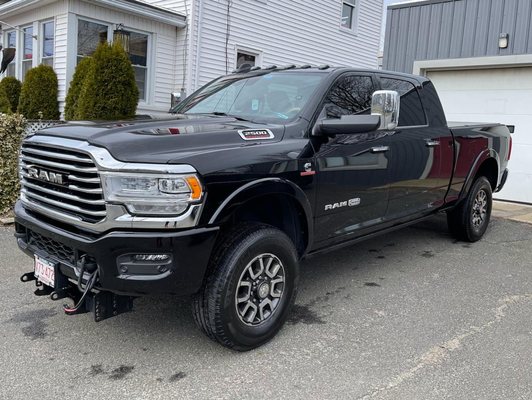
point(198, 44)
point(191, 41)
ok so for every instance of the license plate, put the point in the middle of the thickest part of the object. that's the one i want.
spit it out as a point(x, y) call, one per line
point(44, 271)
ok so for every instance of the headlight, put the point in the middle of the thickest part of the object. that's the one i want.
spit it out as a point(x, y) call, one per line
point(147, 194)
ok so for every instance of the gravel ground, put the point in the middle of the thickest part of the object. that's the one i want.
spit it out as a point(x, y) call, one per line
point(410, 315)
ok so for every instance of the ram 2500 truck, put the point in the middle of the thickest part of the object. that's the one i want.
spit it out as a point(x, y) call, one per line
point(252, 173)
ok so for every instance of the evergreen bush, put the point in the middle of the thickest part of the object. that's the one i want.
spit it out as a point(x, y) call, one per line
point(109, 91)
point(11, 133)
point(38, 97)
point(5, 105)
point(11, 86)
point(72, 99)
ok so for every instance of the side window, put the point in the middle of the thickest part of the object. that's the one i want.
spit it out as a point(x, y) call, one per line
point(411, 112)
point(350, 95)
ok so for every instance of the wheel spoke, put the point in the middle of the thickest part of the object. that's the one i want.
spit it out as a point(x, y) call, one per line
point(272, 272)
point(247, 286)
point(249, 312)
point(262, 304)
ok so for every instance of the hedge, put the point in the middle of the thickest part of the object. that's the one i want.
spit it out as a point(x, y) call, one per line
point(38, 97)
point(72, 99)
point(5, 105)
point(11, 133)
point(109, 91)
point(11, 86)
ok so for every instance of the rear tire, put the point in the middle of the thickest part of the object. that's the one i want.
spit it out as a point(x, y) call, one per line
point(469, 220)
point(250, 289)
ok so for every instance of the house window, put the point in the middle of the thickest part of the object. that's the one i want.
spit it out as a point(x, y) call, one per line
point(48, 36)
point(243, 59)
point(138, 55)
point(90, 35)
point(348, 14)
point(27, 54)
point(11, 42)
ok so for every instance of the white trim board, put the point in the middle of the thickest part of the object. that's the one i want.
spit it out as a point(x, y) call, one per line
point(422, 67)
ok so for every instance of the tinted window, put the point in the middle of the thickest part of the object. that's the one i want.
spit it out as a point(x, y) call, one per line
point(349, 95)
point(411, 112)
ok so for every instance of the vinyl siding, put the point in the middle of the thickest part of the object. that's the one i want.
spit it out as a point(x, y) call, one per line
point(282, 32)
point(287, 32)
point(455, 29)
point(58, 13)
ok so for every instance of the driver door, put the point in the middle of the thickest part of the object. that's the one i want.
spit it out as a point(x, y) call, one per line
point(353, 170)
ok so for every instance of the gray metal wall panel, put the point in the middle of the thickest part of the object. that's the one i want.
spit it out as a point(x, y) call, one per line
point(522, 26)
point(446, 29)
point(481, 33)
point(455, 28)
point(458, 29)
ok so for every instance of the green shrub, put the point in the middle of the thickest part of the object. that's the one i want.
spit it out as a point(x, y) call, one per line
point(38, 97)
point(11, 133)
point(5, 105)
point(72, 99)
point(109, 91)
point(11, 87)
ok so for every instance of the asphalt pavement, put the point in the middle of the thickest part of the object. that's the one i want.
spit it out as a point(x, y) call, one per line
point(410, 315)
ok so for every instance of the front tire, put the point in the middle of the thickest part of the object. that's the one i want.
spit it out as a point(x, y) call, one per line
point(469, 220)
point(251, 288)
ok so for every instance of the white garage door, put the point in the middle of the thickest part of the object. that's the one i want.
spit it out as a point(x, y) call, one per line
point(495, 95)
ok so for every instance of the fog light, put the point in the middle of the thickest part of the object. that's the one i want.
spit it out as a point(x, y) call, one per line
point(151, 257)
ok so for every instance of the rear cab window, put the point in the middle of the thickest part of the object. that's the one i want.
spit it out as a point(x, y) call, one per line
point(411, 112)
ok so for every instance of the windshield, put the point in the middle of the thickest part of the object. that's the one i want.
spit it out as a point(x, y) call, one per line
point(274, 97)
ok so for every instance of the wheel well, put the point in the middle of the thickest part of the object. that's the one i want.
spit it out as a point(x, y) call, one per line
point(281, 211)
point(490, 170)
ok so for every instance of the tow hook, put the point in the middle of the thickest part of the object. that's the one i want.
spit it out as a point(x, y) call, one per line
point(86, 298)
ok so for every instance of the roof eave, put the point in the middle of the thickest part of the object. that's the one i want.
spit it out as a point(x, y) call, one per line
point(146, 11)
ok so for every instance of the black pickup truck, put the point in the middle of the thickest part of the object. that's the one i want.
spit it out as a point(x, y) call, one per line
point(252, 173)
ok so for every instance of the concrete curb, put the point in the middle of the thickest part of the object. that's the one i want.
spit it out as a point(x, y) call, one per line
point(7, 221)
point(512, 211)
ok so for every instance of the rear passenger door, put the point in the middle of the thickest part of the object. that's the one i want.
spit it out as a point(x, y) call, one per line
point(416, 184)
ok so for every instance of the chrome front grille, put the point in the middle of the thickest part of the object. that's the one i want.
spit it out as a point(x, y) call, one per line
point(63, 181)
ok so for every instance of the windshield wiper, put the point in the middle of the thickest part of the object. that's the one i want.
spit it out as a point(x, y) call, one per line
point(222, 114)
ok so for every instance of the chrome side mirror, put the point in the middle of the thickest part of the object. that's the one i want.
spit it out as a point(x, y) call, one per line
point(386, 104)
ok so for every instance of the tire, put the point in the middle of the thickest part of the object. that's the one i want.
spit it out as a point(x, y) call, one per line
point(250, 289)
point(469, 220)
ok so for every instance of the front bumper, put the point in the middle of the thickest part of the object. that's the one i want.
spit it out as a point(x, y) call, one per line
point(189, 249)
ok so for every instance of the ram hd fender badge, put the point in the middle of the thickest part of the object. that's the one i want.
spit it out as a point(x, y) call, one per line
point(256, 134)
point(349, 203)
point(43, 175)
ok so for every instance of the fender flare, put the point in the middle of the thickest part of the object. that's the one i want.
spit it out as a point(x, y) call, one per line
point(481, 158)
point(262, 187)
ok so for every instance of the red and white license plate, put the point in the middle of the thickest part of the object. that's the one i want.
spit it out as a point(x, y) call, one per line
point(44, 271)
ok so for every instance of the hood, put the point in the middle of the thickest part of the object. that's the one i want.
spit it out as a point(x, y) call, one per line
point(171, 139)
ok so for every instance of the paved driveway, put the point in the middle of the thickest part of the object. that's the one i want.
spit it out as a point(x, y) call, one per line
point(410, 315)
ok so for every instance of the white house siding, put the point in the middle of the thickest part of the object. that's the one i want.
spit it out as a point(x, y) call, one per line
point(185, 39)
point(281, 31)
point(55, 11)
point(164, 70)
point(287, 32)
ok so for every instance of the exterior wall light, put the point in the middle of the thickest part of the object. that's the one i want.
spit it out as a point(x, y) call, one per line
point(119, 34)
point(503, 40)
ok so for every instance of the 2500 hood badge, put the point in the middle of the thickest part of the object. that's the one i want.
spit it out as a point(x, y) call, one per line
point(256, 134)
point(348, 203)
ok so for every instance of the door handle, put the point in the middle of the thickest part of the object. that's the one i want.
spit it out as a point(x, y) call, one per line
point(379, 149)
point(432, 143)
